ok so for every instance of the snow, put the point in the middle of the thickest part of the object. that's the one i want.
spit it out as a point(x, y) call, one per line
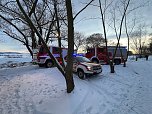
point(33, 90)
point(14, 60)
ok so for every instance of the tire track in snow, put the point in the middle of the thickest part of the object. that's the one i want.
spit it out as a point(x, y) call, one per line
point(109, 100)
point(84, 98)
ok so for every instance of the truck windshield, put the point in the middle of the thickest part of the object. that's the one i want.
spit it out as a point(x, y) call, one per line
point(82, 59)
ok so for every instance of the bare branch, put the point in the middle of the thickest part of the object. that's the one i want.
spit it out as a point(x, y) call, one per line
point(14, 37)
point(83, 9)
point(13, 25)
point(33, 8)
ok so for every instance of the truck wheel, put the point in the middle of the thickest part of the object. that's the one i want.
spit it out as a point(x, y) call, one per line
point(81, 74)
point(48, 64)
point(117, 62)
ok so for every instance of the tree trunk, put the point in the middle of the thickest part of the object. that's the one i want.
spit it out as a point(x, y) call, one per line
point(34, 44)
point(59, 33)
point(124, 63)
point(40, 31)
point(69, 81)
point(69, 66)
point(105, 35)
point(29, 49)
point(112, 68)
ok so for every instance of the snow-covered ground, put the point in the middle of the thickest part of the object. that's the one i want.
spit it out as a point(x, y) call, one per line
point(34, 90)
point(14, 60)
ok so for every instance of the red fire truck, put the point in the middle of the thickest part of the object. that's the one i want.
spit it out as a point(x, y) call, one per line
point(99, 54)
point(43, 59)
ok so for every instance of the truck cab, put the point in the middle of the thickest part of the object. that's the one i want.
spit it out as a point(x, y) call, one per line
point(98, 55)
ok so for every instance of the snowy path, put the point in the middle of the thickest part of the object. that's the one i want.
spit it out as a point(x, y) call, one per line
point(33, 90)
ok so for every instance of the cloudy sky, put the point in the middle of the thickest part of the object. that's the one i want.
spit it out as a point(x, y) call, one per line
point(89, 22)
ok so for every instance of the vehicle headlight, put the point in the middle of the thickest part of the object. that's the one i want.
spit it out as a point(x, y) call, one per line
point(89, 68)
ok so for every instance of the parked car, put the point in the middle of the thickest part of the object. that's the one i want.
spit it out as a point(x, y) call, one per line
point(83, 66)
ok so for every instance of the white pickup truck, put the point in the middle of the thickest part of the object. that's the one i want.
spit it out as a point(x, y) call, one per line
point(83, 66)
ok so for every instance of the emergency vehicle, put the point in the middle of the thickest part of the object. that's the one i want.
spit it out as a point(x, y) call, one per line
point(99, 54)
point(43, 59)
point(83, 67)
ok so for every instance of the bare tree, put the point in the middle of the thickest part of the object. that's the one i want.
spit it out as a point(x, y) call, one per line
point(95, 40)
point(130, 24)
point(79, 39)
point(103, 16)
point(58, 27)
point(128, 33)
point(22, 39)
point(138, 39)
point(118, 34)
point(118, 22)
point(67, 74)
point(11, 15)
point(69, 66)
point(9, 23)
